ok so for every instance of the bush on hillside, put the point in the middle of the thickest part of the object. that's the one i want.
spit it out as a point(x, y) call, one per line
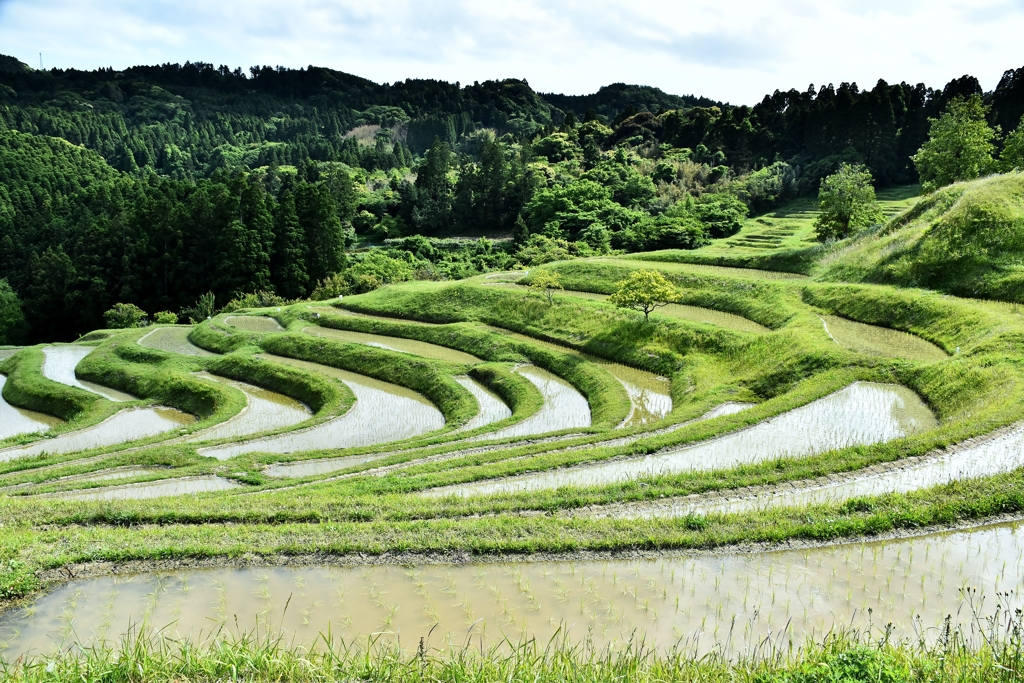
point(124, 316)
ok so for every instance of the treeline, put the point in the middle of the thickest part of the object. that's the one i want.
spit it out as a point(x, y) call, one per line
point(158, 186)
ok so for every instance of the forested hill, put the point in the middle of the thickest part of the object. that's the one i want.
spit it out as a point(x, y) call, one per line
point(163, 185)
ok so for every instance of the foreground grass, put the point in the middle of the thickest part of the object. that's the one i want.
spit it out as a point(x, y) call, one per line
point(842, 657)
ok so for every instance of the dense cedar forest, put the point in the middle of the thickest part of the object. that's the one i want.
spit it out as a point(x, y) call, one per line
point(158, 184)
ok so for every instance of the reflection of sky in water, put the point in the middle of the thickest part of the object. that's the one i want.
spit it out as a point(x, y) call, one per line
point(127, 425)
point(264, 411)
point(564, 407)
point(14, 421)
point(862, 413)
point(744, 597)
point(60, 363)
point(382, 412)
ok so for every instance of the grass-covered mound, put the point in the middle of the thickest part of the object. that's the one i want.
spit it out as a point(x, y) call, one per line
point(966, 239)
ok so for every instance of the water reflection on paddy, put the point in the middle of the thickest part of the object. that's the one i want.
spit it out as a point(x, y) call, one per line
point(492, 408)
point(60, 363)
point(410, 346)
point(382, 412)
point(1000, 454)
point(264, 411)
point(735, 600)
point(14, 421)
point(862, 413)
point(173, 340)
point(564, 407)
point(122, 427)
point(156, 489)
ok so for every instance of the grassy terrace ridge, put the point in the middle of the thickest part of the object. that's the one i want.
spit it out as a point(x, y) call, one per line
point(372, 503)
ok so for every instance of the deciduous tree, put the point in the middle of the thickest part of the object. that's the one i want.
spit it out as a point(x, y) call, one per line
point(846, 201)
point(644, 291)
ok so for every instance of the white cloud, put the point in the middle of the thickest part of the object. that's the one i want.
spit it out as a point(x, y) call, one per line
point(734, 50)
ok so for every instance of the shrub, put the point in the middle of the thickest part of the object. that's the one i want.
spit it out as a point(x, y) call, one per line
point(260, 299)
point(165, 318)
point(331, 287)
point(123, 316)
point(205, 308)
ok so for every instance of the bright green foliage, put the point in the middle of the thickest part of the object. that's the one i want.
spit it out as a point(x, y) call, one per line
point(959, 147)
point(540, 249)
point(721, 213)
point(12, 320)
point(331, 287)
point(165, 318)
point(123, 316)
point(204, 308)
point(547, 281)
point(260, 299)
point(644, 290)
point(846, 201)
point(1012, 156)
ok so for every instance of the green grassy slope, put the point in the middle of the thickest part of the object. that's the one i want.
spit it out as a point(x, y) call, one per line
point(965, 239)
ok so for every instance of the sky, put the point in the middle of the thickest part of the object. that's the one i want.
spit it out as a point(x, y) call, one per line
point(730, 50)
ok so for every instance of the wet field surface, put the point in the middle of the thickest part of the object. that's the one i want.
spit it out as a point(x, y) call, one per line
point(863, 413)
point(173, 340)
point(880, 341)
point(60, 363)
point(382, 412)
point(735, 600)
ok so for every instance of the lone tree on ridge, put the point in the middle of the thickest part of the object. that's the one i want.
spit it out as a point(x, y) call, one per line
point(644, 290)
point(548, 281)
point(846, 201)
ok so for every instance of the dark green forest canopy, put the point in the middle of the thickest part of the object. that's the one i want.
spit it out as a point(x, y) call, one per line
point(158, 184)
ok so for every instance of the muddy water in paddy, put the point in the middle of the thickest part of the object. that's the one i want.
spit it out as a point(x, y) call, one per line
point(14, 421)
point(492, 408)
point(382, 412)
point(60, 363)
point(254, 323)
point(264, 411)
point(564, 407)
point(862, 413)
point(156, 489)
point(410, 346)
point(880, 341)
point(736, 600)
point(173, 340)
point(122, 427)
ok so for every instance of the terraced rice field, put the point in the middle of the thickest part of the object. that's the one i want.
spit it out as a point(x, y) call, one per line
point(468, 462)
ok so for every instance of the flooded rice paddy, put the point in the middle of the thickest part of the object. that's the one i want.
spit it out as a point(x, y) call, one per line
point(59, 365)
point(732, 600)
point(173, 340)
point(862, 413)
point(254, 323)
point(127, 425)
point(156, 489)
point(264, 411)
point(410, 346)
point(492, 408)
point(383, 412)
point(1003, 453)
point(564, 407)
point(650, 395)
point(880, 341)
point(15, 421)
